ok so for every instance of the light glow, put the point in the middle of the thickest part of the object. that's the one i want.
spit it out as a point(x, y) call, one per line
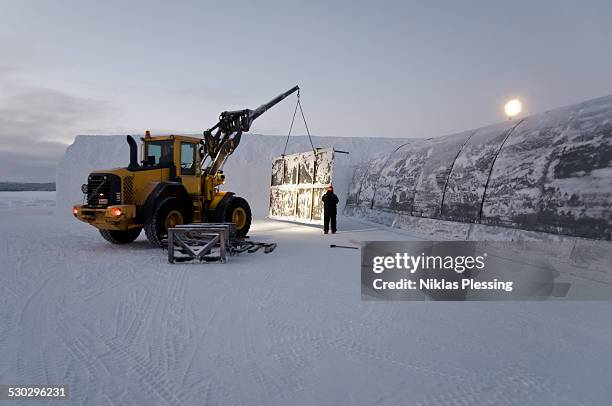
point(513, 107)
point(116, 212)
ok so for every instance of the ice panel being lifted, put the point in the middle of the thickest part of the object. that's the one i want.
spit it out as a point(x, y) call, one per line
point(297, 184)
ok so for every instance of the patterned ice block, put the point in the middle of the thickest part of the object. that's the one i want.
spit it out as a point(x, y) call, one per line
point(298, 182)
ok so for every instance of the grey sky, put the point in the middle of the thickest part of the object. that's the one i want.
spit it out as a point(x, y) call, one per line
point(374, 68)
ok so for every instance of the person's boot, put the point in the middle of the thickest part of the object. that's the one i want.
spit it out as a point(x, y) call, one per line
point(325, 232)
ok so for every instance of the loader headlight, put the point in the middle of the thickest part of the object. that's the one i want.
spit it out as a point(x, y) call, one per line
point(84, 188)
point(116, 211)
point(75, 211)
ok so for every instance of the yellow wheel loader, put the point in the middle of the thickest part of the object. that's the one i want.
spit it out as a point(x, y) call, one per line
point(176, 182)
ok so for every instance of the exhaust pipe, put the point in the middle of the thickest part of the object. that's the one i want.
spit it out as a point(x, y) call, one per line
point(133, 153)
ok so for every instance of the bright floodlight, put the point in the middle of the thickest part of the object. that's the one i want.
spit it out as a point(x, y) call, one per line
point(513, 107)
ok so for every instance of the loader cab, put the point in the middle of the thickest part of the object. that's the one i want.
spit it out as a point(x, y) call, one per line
point(158, 153)
point(180, 154)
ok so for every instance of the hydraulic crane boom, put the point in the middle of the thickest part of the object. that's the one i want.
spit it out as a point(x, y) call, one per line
point(241, 120)
point(229, 129)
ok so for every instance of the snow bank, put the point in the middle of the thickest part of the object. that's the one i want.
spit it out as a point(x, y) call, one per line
point(248, 169)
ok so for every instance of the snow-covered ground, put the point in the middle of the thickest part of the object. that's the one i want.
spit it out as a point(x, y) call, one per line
point(122, 326)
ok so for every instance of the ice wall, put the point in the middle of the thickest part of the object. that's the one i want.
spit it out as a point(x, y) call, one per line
point(550, 172)
point(248, 169)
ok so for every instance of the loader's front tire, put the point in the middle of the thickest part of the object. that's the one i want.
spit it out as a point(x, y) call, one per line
point(239, 213)
point(121, 237)
point(168, 214)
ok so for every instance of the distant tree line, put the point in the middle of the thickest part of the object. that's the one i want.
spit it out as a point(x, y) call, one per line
point(26, 187)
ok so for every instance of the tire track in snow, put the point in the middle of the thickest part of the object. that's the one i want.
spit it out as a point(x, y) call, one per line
point(343, 338)
point(271, 389)
point(32, 329)
point(174, 310)
point(81, 347)
point(149, 376)
point(131, 314)
point(77, 347)
point(502, 388)
point(207, 326)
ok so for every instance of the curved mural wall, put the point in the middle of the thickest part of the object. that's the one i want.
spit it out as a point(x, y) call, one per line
point(550, 172)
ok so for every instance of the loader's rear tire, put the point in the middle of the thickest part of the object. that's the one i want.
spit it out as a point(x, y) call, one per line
point(239, 213)
point(121, 237)
point(168, 213)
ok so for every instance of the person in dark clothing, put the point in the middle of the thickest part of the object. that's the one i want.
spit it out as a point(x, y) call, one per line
point(330, 201)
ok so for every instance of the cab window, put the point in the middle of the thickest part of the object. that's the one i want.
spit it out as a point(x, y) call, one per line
point(158, 153)
point(188, 155)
